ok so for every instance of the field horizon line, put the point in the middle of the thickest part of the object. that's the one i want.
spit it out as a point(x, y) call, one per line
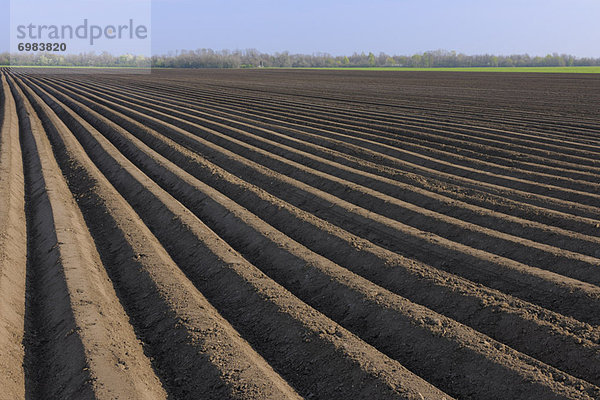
point(568, 70)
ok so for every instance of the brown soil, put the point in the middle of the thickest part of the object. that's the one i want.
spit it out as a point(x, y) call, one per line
point(299, 234)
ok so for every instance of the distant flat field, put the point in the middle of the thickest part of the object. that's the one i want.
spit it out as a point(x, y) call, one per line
point(557, 70)
point(561, 70)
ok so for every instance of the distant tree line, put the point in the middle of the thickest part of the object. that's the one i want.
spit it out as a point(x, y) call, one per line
point(207, 58)
point(74, 60)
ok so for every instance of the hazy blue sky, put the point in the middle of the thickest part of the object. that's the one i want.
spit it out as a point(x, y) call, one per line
point(393, 26)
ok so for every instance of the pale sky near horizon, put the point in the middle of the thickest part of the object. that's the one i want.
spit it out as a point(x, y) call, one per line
point(396, 27)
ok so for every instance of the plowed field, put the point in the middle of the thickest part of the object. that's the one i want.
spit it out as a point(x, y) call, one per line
point(273, 234)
